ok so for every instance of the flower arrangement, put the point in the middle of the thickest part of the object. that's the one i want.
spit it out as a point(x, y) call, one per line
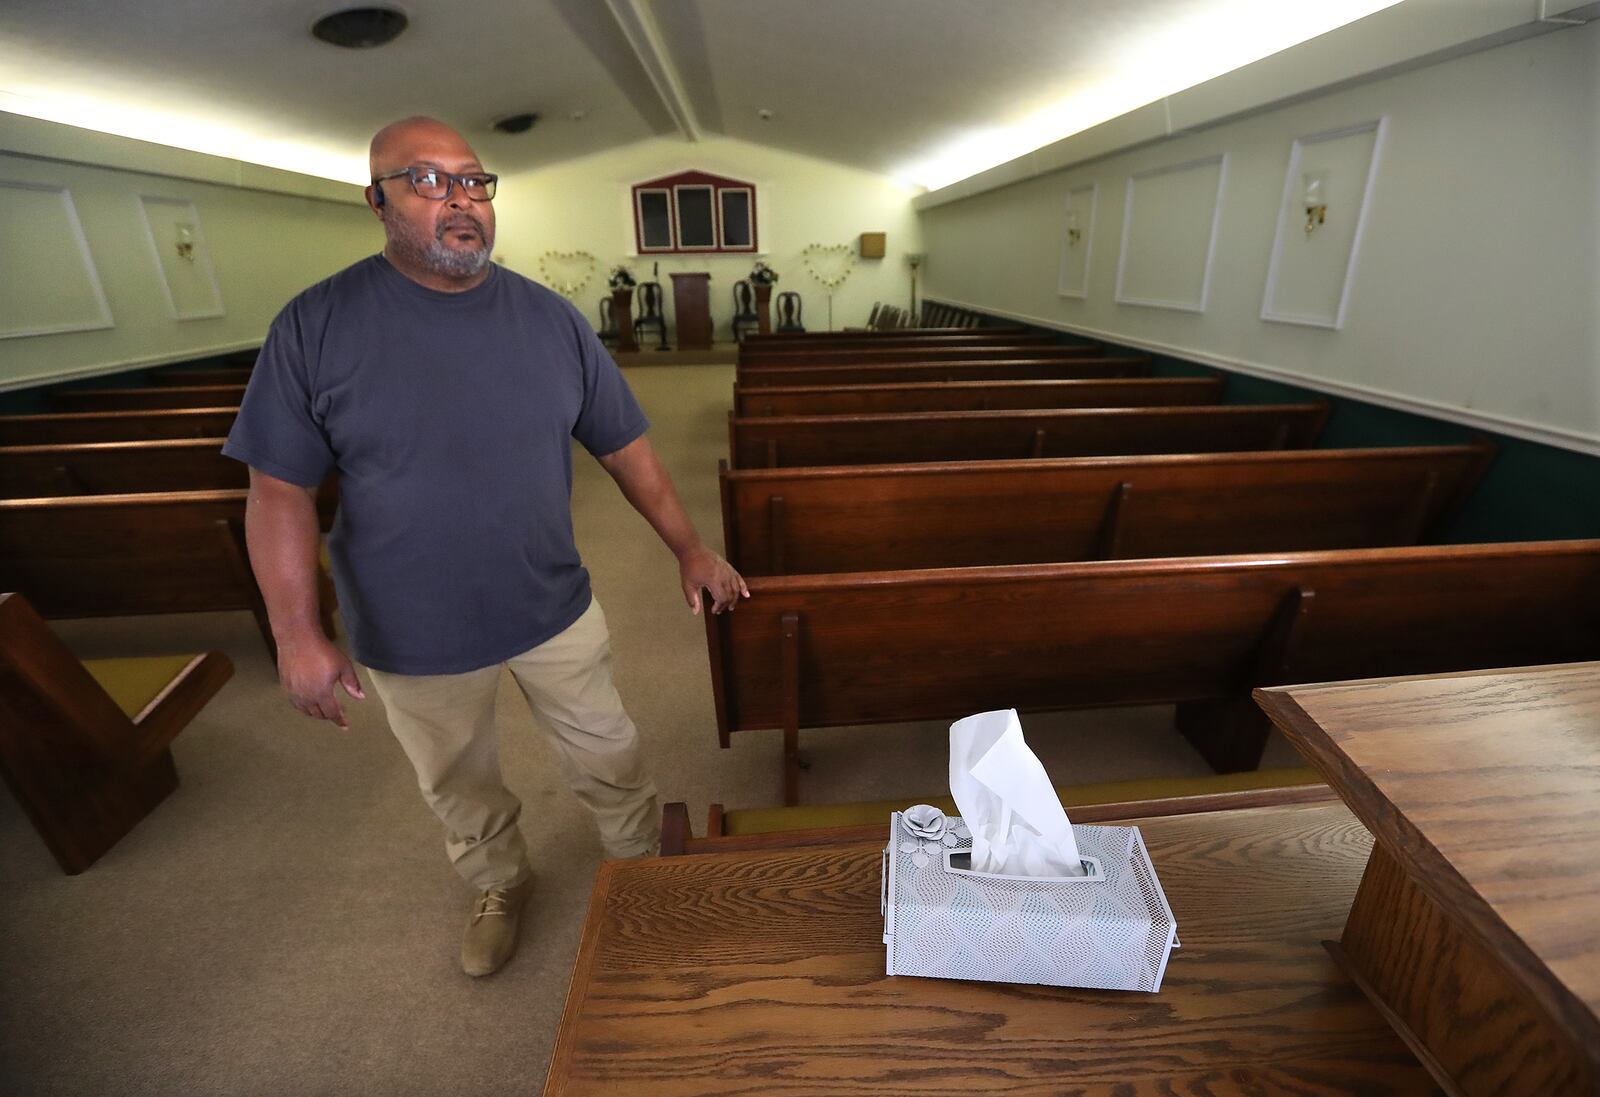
point(567, 272)
point(829, 264)
point(621, 278)
point(762, 275)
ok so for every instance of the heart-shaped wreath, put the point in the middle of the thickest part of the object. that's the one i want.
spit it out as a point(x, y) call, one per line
point(567, 272)
point(829, 264)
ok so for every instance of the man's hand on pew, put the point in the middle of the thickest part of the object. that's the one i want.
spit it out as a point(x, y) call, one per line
point(703, 569)
point(646, 485)
point(309, 670)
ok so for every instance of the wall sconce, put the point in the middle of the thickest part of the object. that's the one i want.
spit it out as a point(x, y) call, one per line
point(184, 242)
point(1314, 196)
point(1074, 234)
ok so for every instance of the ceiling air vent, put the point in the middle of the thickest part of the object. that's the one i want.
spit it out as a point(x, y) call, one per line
point(517, 123)
point(360, 28)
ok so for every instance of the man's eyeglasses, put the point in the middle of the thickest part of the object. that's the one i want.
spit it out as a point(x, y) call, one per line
point(433, 184)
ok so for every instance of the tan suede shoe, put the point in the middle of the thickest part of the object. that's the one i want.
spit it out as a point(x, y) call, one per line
point(491, 937)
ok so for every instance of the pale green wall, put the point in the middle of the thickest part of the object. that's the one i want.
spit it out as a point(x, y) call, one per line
point(1476, 291)
point(266, 245)
point(583, 205)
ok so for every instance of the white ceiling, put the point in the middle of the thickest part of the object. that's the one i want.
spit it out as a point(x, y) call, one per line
point(925, 90)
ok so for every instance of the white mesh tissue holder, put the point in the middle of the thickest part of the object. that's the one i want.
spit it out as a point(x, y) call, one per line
point(1110, 930)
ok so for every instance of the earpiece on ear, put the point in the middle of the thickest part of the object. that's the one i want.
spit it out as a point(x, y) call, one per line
point(377, 195)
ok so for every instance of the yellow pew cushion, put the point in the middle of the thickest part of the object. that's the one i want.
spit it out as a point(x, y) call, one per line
point(134, 682)
point(808, 816)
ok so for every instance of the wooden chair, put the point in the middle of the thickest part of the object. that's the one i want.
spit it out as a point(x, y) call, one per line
point(650, 315)
point(745, 319)
point(608, 322)
point(789, 320)
point(85, 746)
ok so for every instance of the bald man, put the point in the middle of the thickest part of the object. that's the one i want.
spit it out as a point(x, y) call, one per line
point(445, 391)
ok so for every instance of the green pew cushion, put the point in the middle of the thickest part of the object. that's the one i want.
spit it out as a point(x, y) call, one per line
point(134, 682)
point(808, 816)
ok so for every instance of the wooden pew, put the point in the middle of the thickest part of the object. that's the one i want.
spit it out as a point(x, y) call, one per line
point(155, 397)
point(974, 396)
point(121, 468)
point(196, 375)
point(885, 517)
point(880, 647)
point(115, 555)
point(907, 337)
point(115, 426)
point(916, 352)
point(84, 746)
point(829, 824)
point(1011, 369)
point(790, 441)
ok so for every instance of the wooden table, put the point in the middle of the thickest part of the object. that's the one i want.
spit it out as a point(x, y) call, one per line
point(1477, 923)
point(762, 972)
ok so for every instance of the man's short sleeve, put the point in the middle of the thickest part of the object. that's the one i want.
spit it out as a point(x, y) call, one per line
point(611, 417)
point(277, 429)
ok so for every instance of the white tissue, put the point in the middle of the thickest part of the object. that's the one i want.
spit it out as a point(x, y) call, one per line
point(1019, 827)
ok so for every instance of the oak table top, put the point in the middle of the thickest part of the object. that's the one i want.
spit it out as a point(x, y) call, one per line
point(762, 972)
point(1485, 789)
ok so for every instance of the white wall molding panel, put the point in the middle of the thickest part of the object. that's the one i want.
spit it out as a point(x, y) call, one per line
point(1169, 233)
point(1320, 223)
point(50, 284)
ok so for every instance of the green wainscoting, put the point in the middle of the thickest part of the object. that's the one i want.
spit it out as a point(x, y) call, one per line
point(1532, 492)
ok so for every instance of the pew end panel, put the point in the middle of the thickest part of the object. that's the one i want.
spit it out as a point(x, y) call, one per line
point(84, 770)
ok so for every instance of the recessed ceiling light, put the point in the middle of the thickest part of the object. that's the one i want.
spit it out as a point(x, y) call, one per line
point(360, 28)
point(764, 114)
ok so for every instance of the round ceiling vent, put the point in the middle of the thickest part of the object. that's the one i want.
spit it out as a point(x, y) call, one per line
point(360, 28)
point(517, 123)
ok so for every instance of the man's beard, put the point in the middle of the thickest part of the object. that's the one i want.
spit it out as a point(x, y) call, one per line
point(438, 257)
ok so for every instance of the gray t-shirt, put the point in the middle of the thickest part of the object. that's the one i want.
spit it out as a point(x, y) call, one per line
point(448, 417)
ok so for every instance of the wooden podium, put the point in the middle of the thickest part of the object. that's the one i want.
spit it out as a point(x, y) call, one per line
point(691, 300)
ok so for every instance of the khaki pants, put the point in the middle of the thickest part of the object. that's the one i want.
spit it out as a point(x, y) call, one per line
point(445, 724)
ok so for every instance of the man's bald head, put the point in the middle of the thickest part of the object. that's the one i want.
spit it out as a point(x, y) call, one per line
point(442, 242)
point(393, 146)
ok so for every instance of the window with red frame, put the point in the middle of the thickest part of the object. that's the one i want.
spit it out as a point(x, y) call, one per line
point(694, 211)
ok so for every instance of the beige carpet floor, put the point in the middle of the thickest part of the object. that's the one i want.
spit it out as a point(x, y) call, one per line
point(286, 923)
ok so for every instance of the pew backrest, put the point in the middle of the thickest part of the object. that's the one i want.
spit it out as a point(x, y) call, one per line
point(117, 468)
point(890, 646)
point(196, 375)
point(974, 396)
point(115, 426)
point(150, 398)
point(102, 555)
point(1022, 368)
point(791, 441)
point(883, 517)
point(911, 352)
